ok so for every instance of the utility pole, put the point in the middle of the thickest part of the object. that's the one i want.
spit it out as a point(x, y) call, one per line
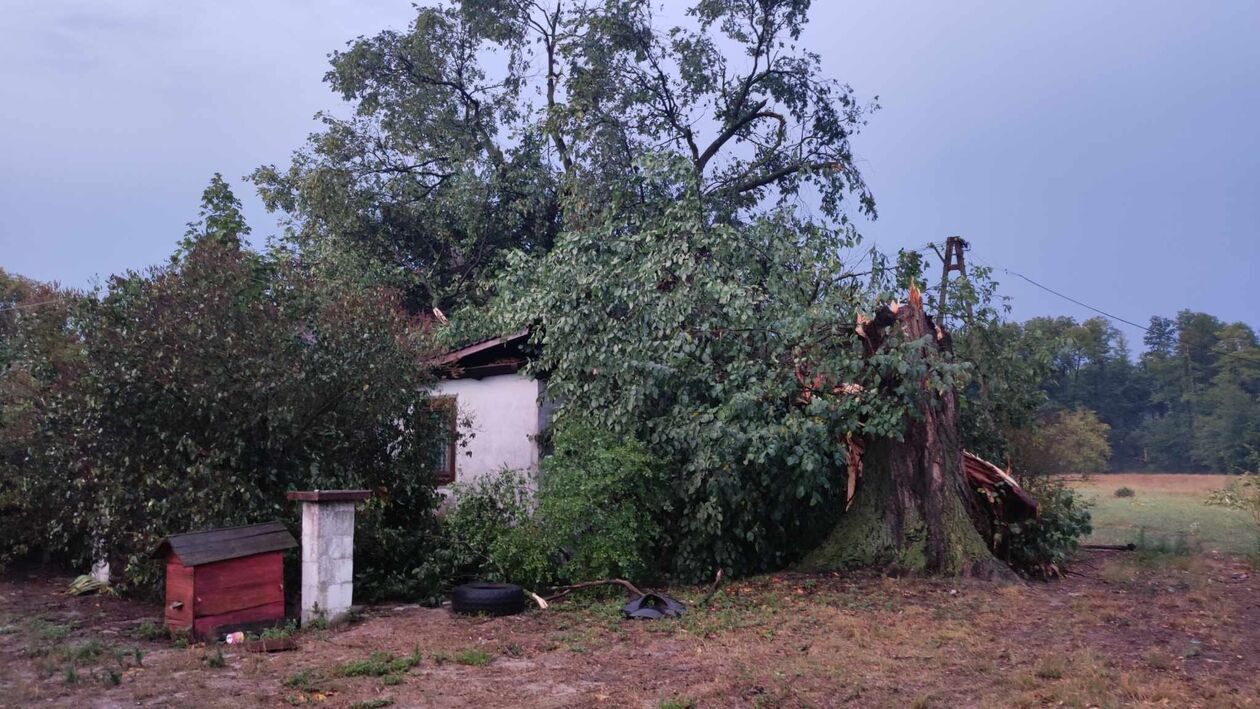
point(954, 259)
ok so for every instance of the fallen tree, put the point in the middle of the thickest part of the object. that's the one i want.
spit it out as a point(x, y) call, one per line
point(911, 504)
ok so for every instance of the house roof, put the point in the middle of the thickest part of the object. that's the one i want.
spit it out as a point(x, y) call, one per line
point(197, 548)
point(484, 358)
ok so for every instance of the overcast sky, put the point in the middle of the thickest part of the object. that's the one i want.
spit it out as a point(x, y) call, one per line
point(1110, 150)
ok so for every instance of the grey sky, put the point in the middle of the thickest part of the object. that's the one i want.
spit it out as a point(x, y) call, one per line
point(1108, 149)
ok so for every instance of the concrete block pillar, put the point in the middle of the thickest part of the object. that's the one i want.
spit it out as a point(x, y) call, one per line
point(327, 551)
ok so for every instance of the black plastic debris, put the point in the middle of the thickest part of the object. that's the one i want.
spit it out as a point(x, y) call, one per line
point(650, 606)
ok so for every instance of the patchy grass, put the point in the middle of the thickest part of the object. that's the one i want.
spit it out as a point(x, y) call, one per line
point(279, 632)
point(379, 664)
point(215, 659)
point(149, 630)
point(304, 679)
point(51, 648)
point(1165, 508)
point(474, 657)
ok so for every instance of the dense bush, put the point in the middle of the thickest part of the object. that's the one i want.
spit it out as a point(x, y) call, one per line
point(1125, 491)
point(39, 358)
point(1043, 546)
point(492, 534)
point(602, 501)
point(597, 514)
point(208, 388)
point(1071, 441)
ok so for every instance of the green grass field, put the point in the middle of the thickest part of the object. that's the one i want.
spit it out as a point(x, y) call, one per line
point(1167, 508)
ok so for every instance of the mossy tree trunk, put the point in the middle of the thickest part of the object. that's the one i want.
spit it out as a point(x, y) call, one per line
point(913, 510)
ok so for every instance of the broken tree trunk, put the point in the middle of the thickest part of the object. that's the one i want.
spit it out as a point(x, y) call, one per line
point(913, 509)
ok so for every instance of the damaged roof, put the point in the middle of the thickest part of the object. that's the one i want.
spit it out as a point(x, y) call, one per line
point(484, 358)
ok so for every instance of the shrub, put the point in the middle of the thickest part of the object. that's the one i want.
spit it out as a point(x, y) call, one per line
point(591, 469)
point(39, 359)
point(1240, 494)
point(491, 534)
point(1073, 441)
point(1042, 546)
point(1125, 491)
point(498, 531)
point(205, 389)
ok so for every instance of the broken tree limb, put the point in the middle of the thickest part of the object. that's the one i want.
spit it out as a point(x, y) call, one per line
point(717, 580)
point(542, 602)
point(1111, 547)
point(566, 590)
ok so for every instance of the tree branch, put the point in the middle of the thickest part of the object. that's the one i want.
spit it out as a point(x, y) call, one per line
point(774, 176)
point(755, 114)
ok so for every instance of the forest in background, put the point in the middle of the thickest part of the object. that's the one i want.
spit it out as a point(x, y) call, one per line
point(1190, 402)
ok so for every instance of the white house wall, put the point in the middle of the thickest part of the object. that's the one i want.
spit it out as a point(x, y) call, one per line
point(503, 416)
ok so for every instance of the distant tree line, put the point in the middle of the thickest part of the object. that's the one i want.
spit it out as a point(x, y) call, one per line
point(1189, 402)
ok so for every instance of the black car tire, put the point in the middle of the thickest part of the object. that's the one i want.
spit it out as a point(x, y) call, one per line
point(488, 599)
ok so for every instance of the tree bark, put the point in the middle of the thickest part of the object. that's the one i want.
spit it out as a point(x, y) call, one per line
point(913, 511)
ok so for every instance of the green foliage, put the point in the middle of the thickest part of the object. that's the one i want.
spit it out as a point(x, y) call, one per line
point(150, 630)
point(1062, 442)
point(694, 339)
point(448, 164)
point(499, 531)
point(379, 664)
point(1043, 546)
point(305, 679)
point(279, 632)
point(1125, 491)
point(202, 391)
point(216, 659)
point(590, 469)
point(1191, 401)
point(475, 657)
point(220, 221)
point(491, 534)
point(1241, 494)
point(40, 359)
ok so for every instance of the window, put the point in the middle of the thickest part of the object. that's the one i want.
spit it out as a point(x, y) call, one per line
point(447, 413)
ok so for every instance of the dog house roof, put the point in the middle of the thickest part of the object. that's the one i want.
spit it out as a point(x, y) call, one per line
point(197, 548)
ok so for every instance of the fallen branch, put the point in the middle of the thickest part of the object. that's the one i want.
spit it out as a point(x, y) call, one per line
point(566, 590)
point(542, 602)
point(1111, 547)
point(1074, 572)
point(717, 580)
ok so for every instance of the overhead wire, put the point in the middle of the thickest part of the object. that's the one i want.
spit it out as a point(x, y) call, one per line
point(1104, 313)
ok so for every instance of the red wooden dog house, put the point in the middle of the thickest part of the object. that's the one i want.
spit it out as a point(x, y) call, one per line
point(225, 577)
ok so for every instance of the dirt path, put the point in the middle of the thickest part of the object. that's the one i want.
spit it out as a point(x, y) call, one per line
point(1176, 630)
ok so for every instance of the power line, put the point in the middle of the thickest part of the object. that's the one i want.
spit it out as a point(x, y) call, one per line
point(1074, 300)
point(1100, 311)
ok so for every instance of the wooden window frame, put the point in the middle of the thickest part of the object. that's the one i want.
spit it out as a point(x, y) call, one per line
point(447, 406)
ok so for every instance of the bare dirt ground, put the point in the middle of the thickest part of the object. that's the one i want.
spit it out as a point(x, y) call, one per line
point(1167, 630)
